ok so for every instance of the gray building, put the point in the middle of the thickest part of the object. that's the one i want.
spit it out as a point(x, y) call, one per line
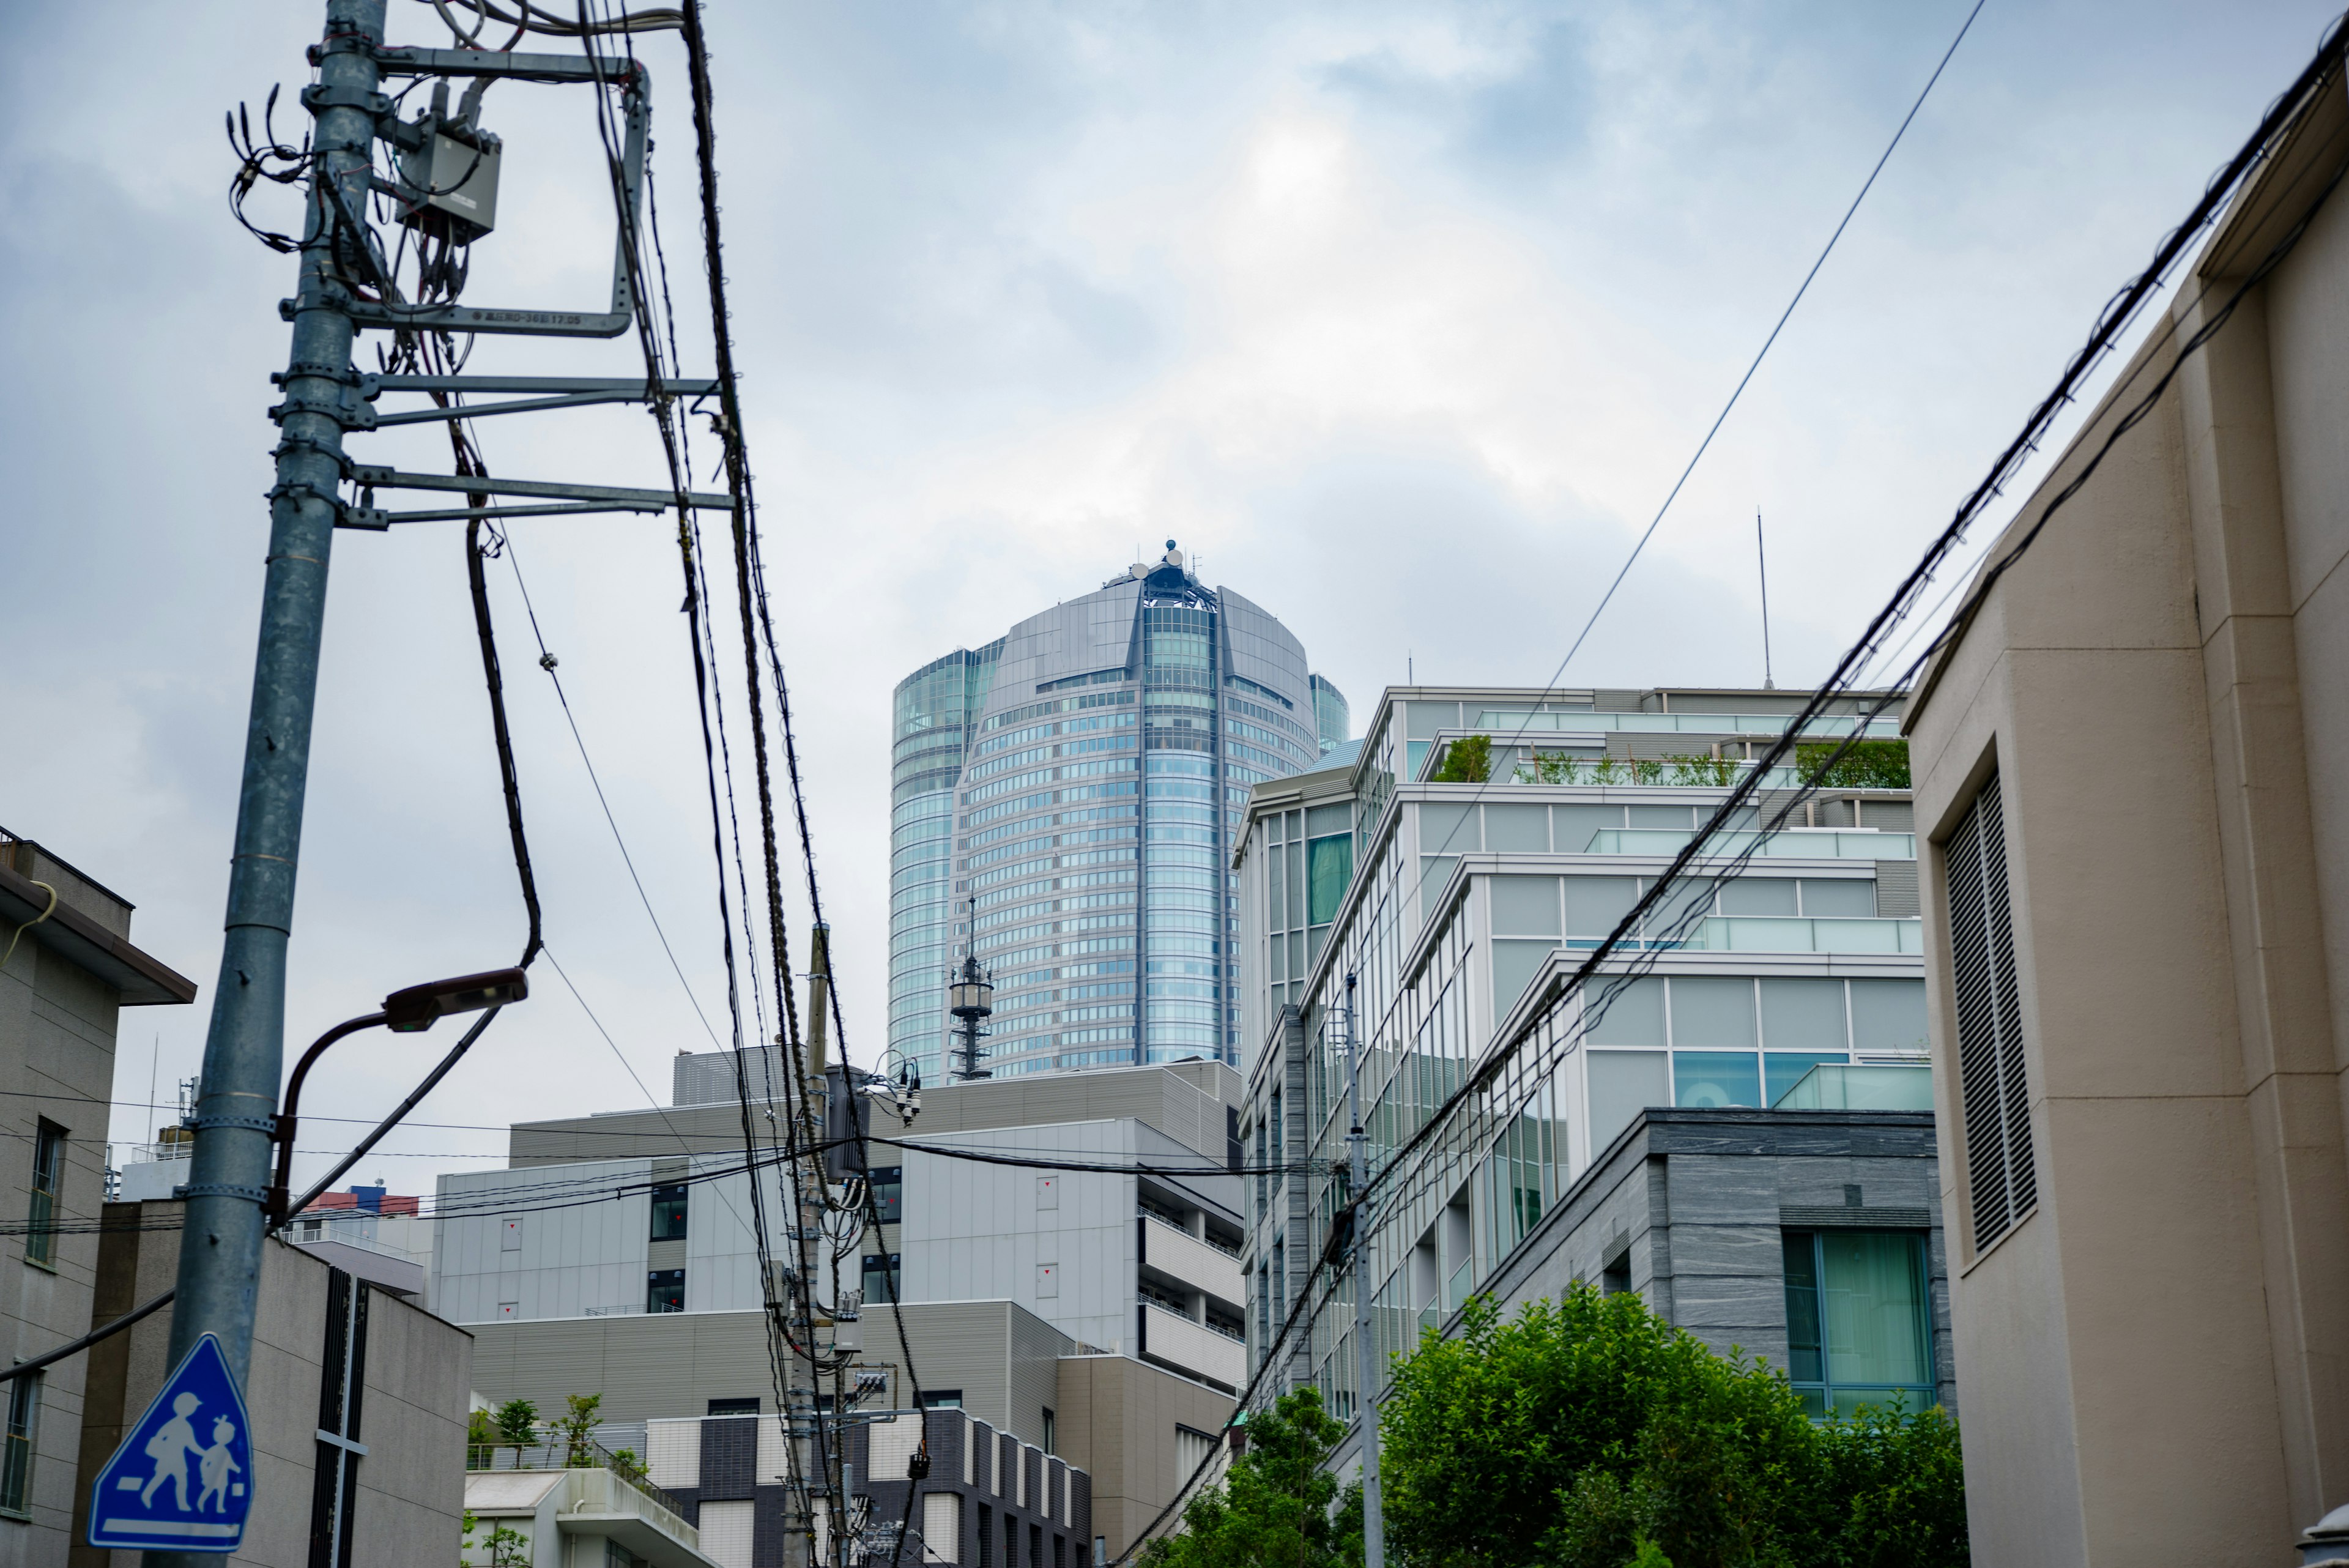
point(382, 1467)
point(1090, 1312)
point(1455, 910)
point(71, 971)
point(1063, 804)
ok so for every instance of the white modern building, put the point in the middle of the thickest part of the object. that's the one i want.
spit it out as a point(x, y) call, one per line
point(1453, 911)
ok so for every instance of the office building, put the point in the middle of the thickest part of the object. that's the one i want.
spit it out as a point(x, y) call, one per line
point(2132, 770)
point(1092, 1314)
point(1063, 804)
point(1624, 1134)
point(72, 971)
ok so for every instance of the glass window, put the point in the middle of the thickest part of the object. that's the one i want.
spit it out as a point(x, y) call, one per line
point(1842, 897)
point(1521, 827)
point(1331, 867)
point(668, 1213)
point(1572, 825)
point(1857, 1327)
point(1513, 964)
point(1629, 1014)
point(1712, 1011)
point(1435, 872)
point(1680, 816)
point(1803, 1014)
point(48, 1181)
point(889, 1192)
point(1448, 829)
point(1525, 906)
point(1622, 1085)
point(1887, 1014)
point(1759, 895)
point(16, 1463)
point(1593, 904)
point(665, 1290)
point(881, 1276)
point(1716, 1078)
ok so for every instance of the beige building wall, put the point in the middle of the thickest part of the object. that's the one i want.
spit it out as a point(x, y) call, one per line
point(2151, 1358)
point(61, 992)
point(1117, 1420)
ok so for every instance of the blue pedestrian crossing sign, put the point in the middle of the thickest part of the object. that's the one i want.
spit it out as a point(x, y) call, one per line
point(183, 1480)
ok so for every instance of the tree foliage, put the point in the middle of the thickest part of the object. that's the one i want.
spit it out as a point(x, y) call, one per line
point(577, 1427)
point(1469, 760)
point(1869, 764)
point(1277, 1504)
point(517, 1423)
point(1589, 1433)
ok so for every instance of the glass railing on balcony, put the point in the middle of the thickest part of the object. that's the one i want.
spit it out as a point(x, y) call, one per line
point(1793, 843)
point(1777, 934)
point(1879, 1087)
point(1504, 722)
point(1689, 773)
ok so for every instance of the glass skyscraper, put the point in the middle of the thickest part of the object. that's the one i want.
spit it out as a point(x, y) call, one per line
point(1065, 803)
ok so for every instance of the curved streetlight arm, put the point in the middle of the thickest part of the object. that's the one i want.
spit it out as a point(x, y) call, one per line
point(279, 1212)
point(406, 1105)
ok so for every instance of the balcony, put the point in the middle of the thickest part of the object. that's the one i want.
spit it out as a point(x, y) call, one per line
point(1182, 1257)
point(532, 1492)
point(1776, 934)
point(1499, 721)
point(1866, 1088)
point(1791, 843)
point(1193, 1348)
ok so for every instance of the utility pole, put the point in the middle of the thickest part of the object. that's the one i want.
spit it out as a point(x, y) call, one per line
point(228, 1180)
point(1367, 1381)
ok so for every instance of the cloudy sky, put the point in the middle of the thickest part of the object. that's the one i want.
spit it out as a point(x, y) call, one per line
point(1402, 318)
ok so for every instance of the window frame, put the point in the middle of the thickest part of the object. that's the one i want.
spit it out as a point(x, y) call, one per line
point(18, 1446)
point(42, 1194)
point(1819, 1393)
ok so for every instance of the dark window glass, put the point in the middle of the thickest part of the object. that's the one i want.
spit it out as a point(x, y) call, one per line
point(941, 1399)
point(881, 1277)
point(734, 1406)
point(889, 1192)
point(986, 1532)
point(1048, 1434)
point(16, 1463)
point(668, 1214)
point(1857, 1328)
point(665, 1290)
point(49, 1177)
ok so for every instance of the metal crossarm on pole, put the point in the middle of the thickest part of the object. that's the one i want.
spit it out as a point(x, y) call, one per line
point(554, 392)
point(372, 478)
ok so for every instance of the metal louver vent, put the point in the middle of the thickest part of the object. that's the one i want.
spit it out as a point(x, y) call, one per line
point(1995, 1100)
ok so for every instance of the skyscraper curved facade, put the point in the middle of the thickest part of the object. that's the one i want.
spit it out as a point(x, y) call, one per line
point(1063, 804)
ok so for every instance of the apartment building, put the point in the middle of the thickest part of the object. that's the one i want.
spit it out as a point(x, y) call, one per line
point(2131, 786)
point(67, 969)
point(1624, 1134)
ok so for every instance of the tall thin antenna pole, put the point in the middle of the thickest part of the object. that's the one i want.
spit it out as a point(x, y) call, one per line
point(1762, 556)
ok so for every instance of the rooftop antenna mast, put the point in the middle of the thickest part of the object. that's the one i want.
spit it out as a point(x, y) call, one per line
point(1762, 558)
point(970, 997)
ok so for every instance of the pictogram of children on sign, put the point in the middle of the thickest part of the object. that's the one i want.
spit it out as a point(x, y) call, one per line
point(217, 1464)
point(173, 1442)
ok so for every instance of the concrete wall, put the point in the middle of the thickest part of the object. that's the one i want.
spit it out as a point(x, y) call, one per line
point(412, 1417)
point(2153, 1355)
point(1181, 1099)
point(1117, 1420)
point(1696, 1202)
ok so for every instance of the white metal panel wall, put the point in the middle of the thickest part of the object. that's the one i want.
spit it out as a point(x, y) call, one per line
point(726, 1534)
point(774, 1457)
point(941, 1527)
point(673, 1453)
point(891, 1444)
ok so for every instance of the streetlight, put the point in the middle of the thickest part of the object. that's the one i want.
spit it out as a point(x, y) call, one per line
point(410, 1011)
